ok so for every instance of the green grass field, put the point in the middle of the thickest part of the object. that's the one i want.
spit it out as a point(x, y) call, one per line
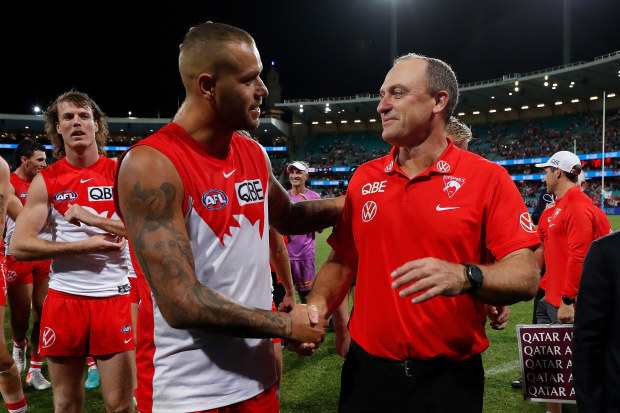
point(311, 384)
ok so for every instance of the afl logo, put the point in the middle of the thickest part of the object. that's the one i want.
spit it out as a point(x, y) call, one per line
point(369, 210)
point(214, 199)
point(443, 166)
point(65, 196)
point(48, 337)
point(389, 167)
point(526, 223)
point(126, 329)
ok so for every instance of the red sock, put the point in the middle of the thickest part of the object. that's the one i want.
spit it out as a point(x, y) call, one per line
point(18, 407)
point(35, 362)
point(91, 362)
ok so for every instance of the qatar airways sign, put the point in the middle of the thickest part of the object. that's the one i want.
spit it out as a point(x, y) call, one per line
point(546, 362)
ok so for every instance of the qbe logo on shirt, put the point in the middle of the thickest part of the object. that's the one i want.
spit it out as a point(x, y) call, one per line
point(249, 192)
point(100, 193)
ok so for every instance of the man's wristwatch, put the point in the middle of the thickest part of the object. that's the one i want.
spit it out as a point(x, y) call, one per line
point(475, 277)
point(568, 301)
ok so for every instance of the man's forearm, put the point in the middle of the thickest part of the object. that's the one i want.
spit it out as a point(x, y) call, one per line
point(331, 285)
point(306, 216)
point(512, 279)
point(36, 249)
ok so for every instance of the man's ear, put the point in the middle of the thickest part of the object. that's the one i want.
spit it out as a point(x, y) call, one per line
point(441, 101)
point(206, 84)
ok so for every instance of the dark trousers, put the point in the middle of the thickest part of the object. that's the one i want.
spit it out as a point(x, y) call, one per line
point(374, 384)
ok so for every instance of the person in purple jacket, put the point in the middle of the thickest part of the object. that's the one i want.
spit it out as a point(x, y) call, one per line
point(301, 248)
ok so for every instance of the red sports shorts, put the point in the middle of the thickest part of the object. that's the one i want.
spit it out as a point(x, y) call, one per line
point(75, 325)
point(24, 272)
point(265, 402)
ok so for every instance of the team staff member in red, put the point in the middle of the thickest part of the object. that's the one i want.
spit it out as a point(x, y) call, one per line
point(26, 281)
point(87, 309)
point(572, 228)
point(434, 233)
point(575, 223)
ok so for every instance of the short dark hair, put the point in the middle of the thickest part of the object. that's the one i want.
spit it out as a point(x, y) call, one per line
point(26, 148)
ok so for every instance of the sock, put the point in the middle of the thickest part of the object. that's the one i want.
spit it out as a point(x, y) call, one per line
point(20, 345)
point(91, 363)
point(35, 363)
point(18, 407)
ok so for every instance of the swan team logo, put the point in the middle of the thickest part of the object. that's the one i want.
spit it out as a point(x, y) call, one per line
point(452, 184)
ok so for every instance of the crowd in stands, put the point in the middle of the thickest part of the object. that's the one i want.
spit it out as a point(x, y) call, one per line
point(530, 139)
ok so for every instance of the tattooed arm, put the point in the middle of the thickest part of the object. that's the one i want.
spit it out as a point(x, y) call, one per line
point(26, 246)
point(300, 217)
point(150, 195)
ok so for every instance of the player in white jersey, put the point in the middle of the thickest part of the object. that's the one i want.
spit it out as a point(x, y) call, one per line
point(87, 309)
point(198, 200)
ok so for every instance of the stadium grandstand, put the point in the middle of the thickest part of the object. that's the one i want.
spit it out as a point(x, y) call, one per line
point(517, 120)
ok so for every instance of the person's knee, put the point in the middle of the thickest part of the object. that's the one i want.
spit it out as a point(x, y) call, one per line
point(8, 369)
point(119, 406)
point(6, 364)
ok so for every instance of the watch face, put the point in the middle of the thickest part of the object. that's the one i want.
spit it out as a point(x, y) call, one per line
point(476, 278)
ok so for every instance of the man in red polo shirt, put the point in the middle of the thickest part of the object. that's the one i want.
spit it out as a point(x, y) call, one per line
point(572, 226)
point(433, 232)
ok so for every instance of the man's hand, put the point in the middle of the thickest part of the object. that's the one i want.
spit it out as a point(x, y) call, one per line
point(288, 302)
point(435, 276)
point(566, 313)
point(308, 330)
point(498, 316)
point(76, 215)
point(104, 242)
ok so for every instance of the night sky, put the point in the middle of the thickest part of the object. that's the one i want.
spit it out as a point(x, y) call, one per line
point(126, 58)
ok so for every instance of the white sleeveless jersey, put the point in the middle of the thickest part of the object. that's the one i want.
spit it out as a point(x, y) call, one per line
point(92, 274)
point(225, 204)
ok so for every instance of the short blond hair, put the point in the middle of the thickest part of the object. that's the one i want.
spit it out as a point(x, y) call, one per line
point(458, 132)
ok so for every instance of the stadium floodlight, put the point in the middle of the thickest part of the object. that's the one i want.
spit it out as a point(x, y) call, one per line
point(461, 114)
point(611, 95)
point(315, 122)
point(558, 103)
point(593, 97)
point(372, 120)
point(525, 107)
point(36, 110)
point(574, 100)
point(476, 112)
point(297, 123)
point(344, 121)
point(546, 84)
point(357, 121)
point(507, 109)
point(329, 122)
point(540, 105)
point(129, 113)
point(493, 111)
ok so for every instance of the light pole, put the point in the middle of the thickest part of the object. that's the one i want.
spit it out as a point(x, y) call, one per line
point(393, 32)
point(566, 34)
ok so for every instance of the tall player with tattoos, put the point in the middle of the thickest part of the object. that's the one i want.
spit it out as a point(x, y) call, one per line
point(197, 201)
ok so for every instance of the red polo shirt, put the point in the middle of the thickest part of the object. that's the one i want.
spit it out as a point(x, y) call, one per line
point(463, 209)
point(543, 232)
point(573, 226)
